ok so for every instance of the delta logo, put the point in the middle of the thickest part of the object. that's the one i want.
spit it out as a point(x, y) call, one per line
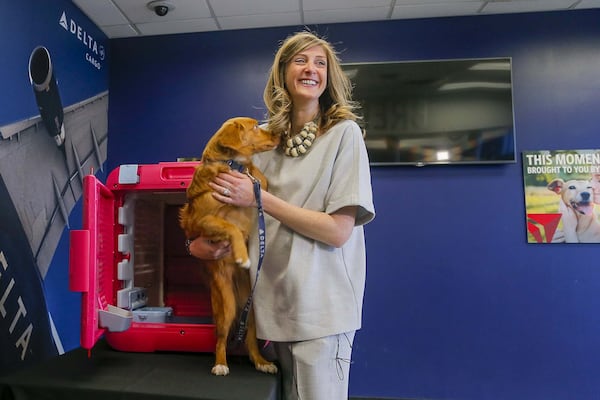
point(542, 227)
point(72, 27)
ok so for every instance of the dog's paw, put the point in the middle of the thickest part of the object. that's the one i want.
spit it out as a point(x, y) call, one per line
point(243, 264)
point(220, 370)
point(267, 368)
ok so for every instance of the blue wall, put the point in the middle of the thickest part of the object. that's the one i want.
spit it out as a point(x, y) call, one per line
point(457, 305)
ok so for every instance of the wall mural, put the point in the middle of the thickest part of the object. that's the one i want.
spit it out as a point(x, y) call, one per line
point(53, 131)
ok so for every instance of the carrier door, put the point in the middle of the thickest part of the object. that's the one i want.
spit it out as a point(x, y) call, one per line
point(91, 264)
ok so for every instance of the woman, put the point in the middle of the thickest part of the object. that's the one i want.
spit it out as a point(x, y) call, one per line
point(308, 299)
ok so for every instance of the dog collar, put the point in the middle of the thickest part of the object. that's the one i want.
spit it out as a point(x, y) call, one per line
point(235, 165)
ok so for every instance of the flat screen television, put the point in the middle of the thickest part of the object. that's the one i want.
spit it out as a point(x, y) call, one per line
point(436, 112)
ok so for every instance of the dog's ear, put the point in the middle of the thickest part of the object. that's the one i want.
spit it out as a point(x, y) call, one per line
point(223, 141)
point(556, 185)
point(231, 136)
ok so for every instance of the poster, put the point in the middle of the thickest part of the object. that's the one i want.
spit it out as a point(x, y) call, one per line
point(562, 196)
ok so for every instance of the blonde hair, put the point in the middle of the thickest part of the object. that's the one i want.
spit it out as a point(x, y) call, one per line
point(335, 104)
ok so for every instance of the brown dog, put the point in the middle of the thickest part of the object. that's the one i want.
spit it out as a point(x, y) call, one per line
point(234, 143)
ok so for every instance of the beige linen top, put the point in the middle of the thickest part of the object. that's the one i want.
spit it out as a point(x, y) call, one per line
point(307, 289)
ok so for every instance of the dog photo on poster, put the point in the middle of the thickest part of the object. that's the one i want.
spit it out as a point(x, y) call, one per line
point(562, 189)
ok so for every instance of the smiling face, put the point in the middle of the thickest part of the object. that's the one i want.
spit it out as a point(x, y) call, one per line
point(306, 75)
point(576, 194)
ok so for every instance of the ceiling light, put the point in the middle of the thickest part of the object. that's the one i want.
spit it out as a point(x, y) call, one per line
point(443, 155)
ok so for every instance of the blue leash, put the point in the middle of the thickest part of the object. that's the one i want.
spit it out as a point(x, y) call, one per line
point(243, 324)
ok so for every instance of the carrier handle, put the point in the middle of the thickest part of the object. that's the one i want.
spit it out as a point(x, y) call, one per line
point(79, 260)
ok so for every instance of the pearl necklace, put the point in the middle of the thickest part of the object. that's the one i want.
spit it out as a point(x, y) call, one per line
point(299, 144)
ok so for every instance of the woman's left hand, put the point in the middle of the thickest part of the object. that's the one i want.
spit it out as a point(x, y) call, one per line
point(234, 188)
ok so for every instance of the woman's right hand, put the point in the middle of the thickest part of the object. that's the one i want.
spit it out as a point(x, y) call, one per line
point(206, 249)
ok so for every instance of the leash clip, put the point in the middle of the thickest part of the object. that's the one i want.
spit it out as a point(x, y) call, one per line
point(253, 179)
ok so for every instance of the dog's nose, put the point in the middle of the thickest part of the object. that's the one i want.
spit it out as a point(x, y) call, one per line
point(585, 196)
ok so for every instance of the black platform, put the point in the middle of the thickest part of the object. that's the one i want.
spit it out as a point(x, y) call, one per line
point(110, 374)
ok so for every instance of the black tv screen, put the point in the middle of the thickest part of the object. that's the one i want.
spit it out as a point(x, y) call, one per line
point(436, 112)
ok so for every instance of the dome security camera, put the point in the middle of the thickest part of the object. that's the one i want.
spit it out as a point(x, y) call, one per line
point(161, 11)
point(160, 7)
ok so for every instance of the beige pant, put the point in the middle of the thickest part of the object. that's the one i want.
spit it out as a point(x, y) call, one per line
point(316, 369)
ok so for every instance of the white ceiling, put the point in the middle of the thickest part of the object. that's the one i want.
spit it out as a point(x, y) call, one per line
point(127, 18)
